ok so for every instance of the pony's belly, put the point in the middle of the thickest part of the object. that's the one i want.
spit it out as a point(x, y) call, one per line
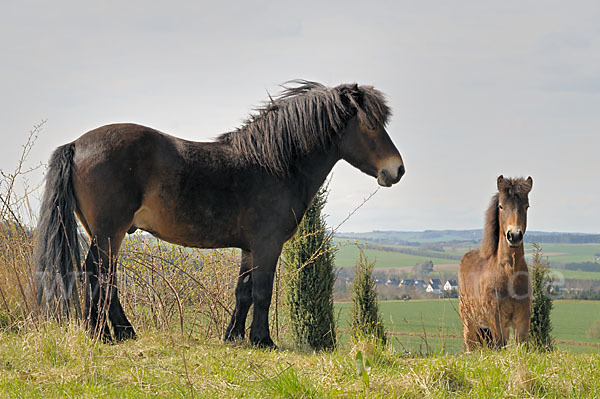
point(188, 234)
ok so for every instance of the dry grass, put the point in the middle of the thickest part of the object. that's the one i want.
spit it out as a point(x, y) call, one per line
point(61, 361)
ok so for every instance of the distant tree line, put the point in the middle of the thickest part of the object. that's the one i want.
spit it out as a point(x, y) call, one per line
point(583, 266)
point(416, 252)
point(464, 236)
point(563, 238)
point(588, 295)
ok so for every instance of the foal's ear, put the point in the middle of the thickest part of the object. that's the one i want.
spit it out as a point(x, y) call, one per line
point(501, 182)
point(529, 184)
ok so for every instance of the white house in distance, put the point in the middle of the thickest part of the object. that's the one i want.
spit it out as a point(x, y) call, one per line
point(432, 288)
point(420, 284)
point(450, 285)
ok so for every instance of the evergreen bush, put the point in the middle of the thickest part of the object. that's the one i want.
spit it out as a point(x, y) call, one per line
point(366, 320)
point(541, 283)
point(310, 276)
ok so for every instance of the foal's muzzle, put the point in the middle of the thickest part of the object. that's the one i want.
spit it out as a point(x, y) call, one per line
point(514, 238)
point(387, 177)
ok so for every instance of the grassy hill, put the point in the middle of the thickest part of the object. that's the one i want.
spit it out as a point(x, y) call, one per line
point(59, 362)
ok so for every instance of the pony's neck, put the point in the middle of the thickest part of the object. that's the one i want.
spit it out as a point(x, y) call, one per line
point(511, 258)
point(313, 169)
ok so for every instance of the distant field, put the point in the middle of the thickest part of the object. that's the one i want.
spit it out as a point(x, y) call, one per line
point(348, 253)
point(572, 274)
point(411, 321)
point(568, 253)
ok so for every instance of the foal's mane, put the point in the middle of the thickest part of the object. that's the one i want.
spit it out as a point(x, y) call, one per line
point(303, 117)
point(491, 230)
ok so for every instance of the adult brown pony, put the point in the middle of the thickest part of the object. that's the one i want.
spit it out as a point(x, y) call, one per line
point(249, 189)
point(494, 286)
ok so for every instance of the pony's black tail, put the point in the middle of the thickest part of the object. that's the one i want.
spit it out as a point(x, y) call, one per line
point(56, 257)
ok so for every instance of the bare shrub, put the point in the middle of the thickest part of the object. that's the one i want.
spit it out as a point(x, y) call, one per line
point(155, 275)
point(16, 238)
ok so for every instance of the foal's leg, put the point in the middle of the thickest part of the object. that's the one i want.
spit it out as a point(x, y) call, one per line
point(264, 261)
point(521, 326)
point(470, 329)
point(243, 299)
point(470, 335)
point(497, 330)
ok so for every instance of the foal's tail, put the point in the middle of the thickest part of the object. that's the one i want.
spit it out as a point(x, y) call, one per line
point(56, 256)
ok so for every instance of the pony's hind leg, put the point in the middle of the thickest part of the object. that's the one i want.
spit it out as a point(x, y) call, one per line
point(243, 299)
point(485, 336)
point(121, 325)
point(96, 320)
point(102, 302)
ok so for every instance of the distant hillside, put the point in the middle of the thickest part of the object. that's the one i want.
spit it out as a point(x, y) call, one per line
point(417, 238)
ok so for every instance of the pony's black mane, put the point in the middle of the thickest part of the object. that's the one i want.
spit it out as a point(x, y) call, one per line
point(491, 230)
point(304, 117)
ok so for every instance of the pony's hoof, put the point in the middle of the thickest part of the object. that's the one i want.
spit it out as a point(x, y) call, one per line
point(263, 343)
point(233, 338)
point(124, 333)
point(233, 335)
point(106, 338)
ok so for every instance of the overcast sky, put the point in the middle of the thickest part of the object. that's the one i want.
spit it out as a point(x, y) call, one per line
point(477, 89)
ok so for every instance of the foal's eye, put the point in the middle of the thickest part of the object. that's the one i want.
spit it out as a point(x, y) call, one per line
point(500, 207)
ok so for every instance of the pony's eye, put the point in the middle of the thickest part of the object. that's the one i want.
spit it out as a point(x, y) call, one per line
point(500, 207)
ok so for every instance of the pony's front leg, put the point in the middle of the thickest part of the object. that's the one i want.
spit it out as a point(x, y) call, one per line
point(469, 326)
point(521, 326)
point(498, 332)
point(265, 261)
point(470, 336)
point(243, 299)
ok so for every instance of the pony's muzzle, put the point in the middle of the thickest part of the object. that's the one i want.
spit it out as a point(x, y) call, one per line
point(388, 176)
point(514, 238)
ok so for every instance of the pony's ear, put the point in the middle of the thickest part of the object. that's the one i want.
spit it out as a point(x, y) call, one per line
point(353, 95)
point(529, 184)
point(501, 183)
point(351, 89)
